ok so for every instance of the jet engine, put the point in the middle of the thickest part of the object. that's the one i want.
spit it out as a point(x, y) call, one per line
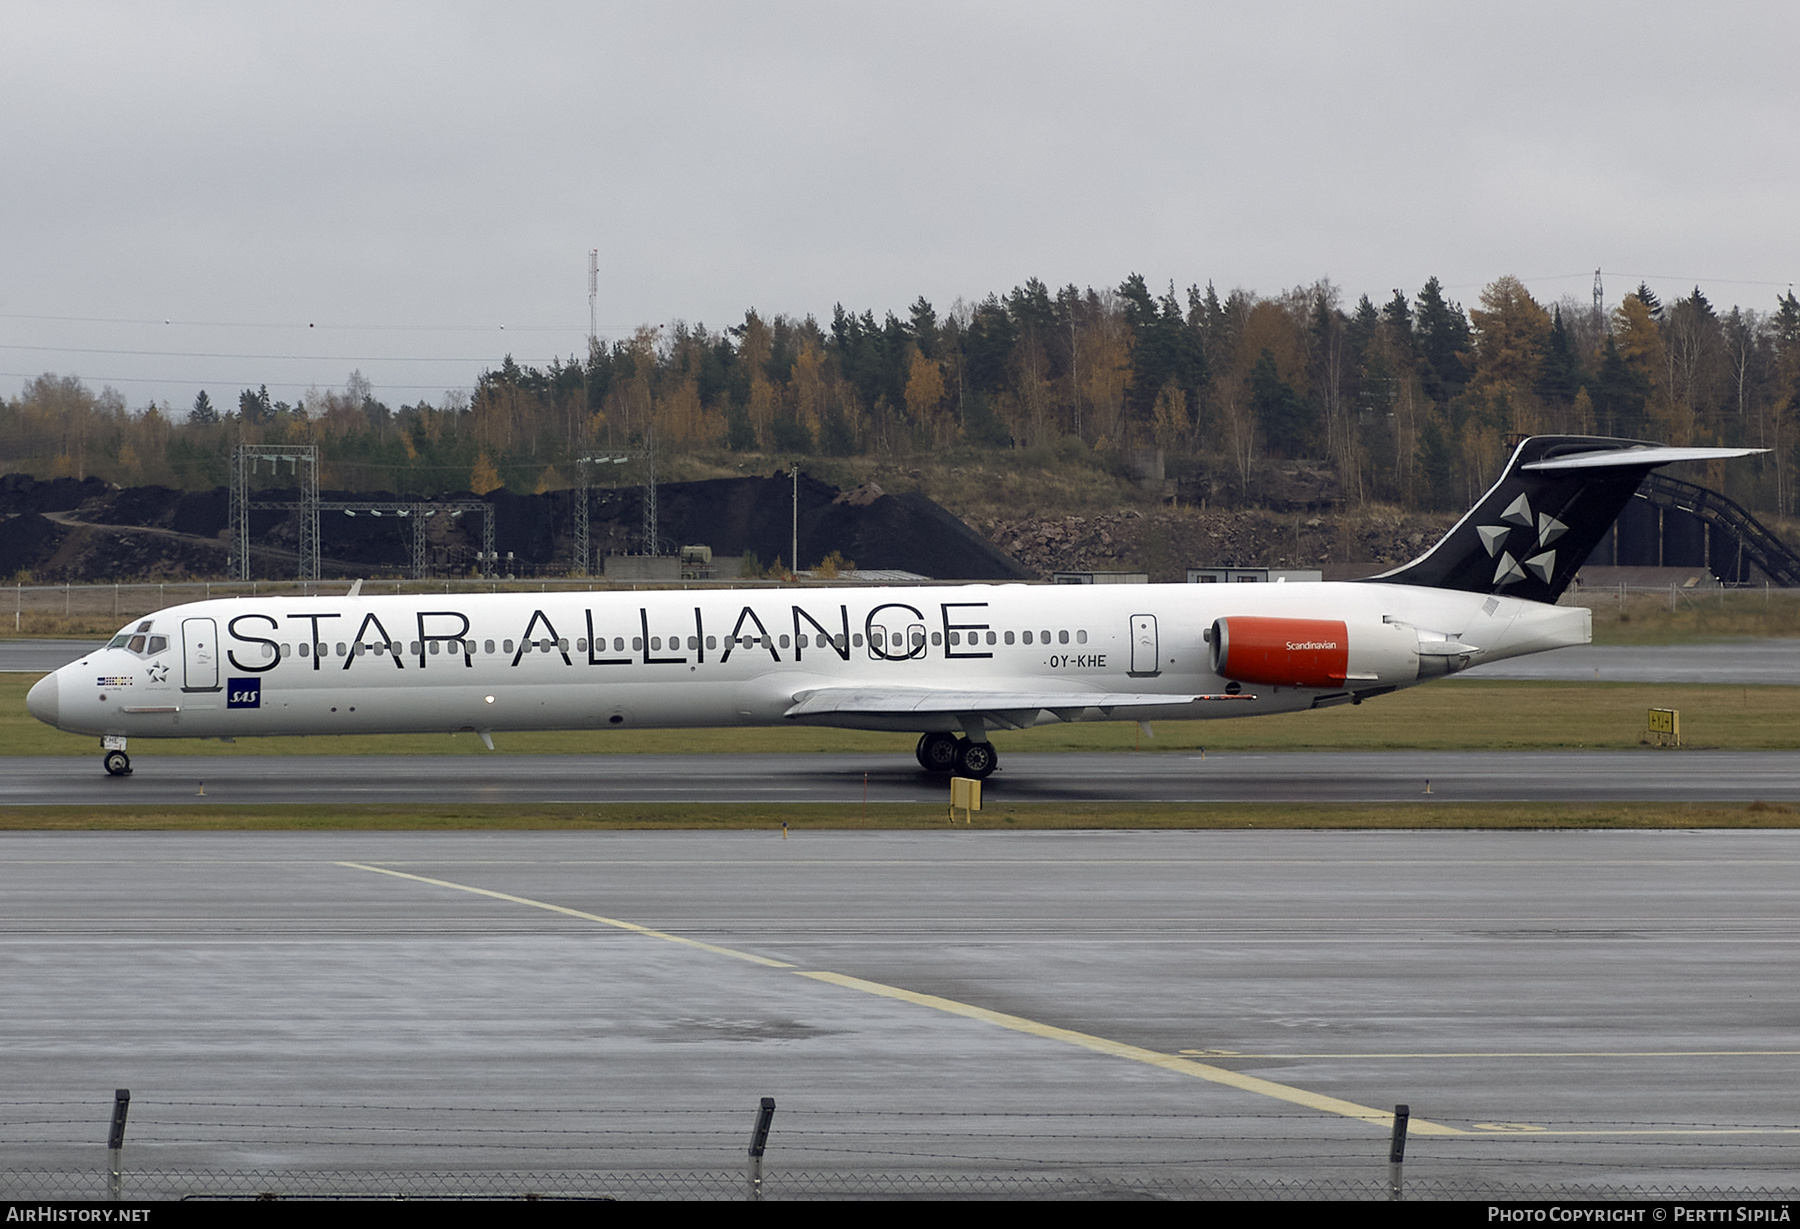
point(1326, 654)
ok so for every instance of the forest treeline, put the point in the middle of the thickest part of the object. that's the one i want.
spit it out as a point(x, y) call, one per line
point(1411, 401)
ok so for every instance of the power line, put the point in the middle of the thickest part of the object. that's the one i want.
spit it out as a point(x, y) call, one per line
point(305, 358)
point(196, 383)
point(312, 324)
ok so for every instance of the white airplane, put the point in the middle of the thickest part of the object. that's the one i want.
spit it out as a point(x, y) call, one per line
point(950, 663)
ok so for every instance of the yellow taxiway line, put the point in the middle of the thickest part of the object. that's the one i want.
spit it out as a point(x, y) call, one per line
point(1018, 1024)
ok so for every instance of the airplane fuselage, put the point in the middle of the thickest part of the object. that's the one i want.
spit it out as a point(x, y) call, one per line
point(718, 658)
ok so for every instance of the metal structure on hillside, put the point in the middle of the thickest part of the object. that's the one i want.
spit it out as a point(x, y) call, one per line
point(304, 460)
point(1750, 539)
point(245, 461)
point(584, 485)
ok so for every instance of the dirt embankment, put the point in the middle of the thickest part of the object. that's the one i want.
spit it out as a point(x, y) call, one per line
point(1167, 543)
point(87, 531)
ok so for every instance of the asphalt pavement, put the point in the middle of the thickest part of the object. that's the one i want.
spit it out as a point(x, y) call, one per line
point(1561, 1011)
point(1401, 778)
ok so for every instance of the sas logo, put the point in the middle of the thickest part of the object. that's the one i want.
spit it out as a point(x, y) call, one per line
point(244, 693)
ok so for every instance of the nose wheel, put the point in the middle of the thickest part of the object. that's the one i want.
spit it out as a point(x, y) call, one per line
point(118, 764)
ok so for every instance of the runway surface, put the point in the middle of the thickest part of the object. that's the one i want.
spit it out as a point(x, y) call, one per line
point(1398, 777)
point(1573, 1008)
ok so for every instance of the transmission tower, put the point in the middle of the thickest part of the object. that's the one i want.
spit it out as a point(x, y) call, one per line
point(303, 460)
point(1599, 300)
point(593, 296)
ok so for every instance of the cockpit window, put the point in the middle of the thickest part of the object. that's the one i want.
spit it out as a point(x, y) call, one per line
point(137, 640)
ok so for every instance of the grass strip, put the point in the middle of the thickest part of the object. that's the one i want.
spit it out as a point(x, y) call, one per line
point(895, 817)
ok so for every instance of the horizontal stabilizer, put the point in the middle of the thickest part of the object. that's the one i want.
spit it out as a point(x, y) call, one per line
point(1645, 457)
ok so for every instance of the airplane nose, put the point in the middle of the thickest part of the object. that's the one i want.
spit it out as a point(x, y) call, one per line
point(44, 700)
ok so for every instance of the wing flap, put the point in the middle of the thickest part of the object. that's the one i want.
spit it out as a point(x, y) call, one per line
point(1019, 707)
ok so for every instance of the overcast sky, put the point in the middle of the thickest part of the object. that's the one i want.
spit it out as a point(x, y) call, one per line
point(412, 191)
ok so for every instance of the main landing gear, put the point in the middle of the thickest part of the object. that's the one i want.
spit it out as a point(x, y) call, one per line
point(117, 763)
point(943, 752)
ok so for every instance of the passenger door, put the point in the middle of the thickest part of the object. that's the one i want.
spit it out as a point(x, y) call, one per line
point(1144, 649)
point(200, 655)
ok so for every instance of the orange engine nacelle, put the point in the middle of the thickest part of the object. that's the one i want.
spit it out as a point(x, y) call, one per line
point(1281, 652)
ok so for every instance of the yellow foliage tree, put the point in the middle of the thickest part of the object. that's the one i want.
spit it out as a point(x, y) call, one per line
point(1170, 417)
point(1511, 331)
point(484, 477)
point(925, 394)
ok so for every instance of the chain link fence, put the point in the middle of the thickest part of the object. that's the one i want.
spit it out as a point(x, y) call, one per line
point(216, 1150)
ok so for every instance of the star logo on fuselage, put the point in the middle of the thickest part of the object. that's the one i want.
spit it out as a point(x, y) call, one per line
point(158, 672)
point(1542, 529)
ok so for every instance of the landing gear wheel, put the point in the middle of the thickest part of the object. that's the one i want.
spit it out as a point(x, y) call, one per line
point(975, 759)
point(118, 764)
point(937, 752)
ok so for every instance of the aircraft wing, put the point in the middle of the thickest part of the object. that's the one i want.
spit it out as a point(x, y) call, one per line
point(1003, 708)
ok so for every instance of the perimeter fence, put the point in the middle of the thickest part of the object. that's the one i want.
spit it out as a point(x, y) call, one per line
point(234, 1150)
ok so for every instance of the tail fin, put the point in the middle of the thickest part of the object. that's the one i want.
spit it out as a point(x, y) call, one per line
point(1536, 526)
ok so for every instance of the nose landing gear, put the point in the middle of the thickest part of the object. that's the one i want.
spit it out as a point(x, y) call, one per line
point(118, 764)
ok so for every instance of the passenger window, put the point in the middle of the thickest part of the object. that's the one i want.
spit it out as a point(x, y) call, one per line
point(342, 648)
point(509, 645)
point(1027, 637)
point(487, 646)
point(655, 644)
point(303, 649)
point(287, 650)
point(990, 638)
point(434, 646)
point(1009, 638)
point(712, 642)
point(955, 639)
point(637, 644)
point(937, 638)
point(581, 645)
point(1062, 637)
point(784, 641)
point(857, 640)
point(1080, 637)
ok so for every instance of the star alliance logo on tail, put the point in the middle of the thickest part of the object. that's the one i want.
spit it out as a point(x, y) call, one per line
point(1493, 537)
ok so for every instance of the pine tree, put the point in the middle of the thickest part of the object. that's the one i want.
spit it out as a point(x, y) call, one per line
point(1443, 339)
